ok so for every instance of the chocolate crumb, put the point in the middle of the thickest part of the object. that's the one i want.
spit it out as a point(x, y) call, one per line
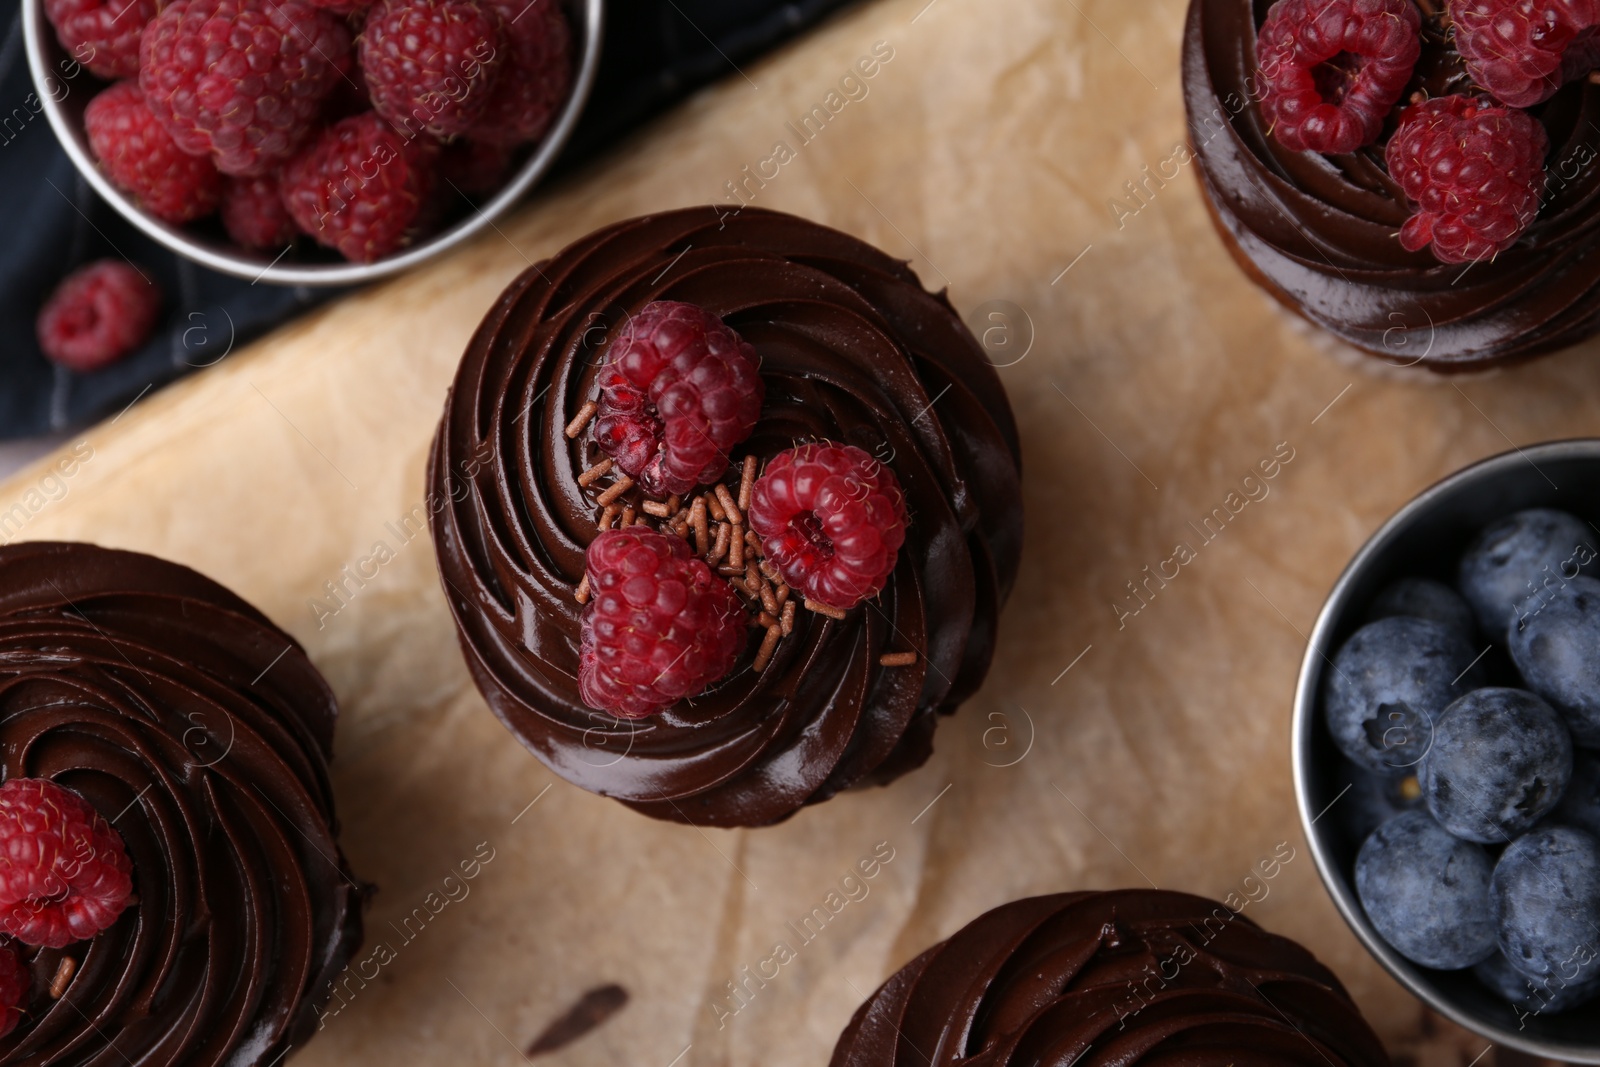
point(719, 547)
point(725, 498)
point(582, 594)
point(735, 544)
point(747, 481)
point(766, 620)
point(714, 506)
point(592, 1010)
point(63, 977)
point(618, 487)
point(581, 419)
point(628, 516)
point(823, 609)
point(657, 509)
point(702, 531)
point(608, 517)
point(595, 473)
point(769, 599)
point(898, 659)
point(786, 619)
point(769, 645)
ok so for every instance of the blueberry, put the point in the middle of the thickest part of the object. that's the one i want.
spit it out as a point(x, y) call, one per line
point(1500, 760)
point(1425, 598)
point(1367, 800)
point(1580, 804)
point(1388, 684)
point(1510, 563)
point(1557, 649)
point(1528, 996)
point(1427, 893)
point(1545, 898)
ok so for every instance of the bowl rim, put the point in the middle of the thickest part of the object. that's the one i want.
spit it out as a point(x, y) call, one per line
point(39, 38)
point(1304, 739)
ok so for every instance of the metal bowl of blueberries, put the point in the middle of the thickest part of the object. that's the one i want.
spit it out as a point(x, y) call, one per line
point(1447, 748)
point(342, 158)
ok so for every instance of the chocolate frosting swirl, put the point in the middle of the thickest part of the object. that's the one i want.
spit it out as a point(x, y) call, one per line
point(1320, 232)
point(1119, 978)
point(853, 350)
point(201, 732)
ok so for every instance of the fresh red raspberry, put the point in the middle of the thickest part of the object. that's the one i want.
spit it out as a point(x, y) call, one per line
point(64, 873)
point(103, 35)
point(1474, 172)
point(359, 187)
point(97, 315)
point(537, 75)
point(253, 212)
point(1522, 51)
point(431, 64)
point(679, 390)
point(659, 628)
point(1333, 69)
point(140, 157)
point(832, 519)
point(241, 80)
point(16, 982)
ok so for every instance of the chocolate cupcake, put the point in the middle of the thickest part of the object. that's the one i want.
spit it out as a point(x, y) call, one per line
point(1137, 976)
point(808, 463)
point(199, 906)
point(1337, 224)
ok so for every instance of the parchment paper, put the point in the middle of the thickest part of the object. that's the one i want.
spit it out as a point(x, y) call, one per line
point(1103, 752)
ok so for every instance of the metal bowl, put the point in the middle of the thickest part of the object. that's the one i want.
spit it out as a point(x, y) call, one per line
point(64, 90)
point(1425, 539)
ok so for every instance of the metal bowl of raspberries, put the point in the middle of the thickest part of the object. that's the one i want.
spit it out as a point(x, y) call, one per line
point(317, 143)
point(1447, 748)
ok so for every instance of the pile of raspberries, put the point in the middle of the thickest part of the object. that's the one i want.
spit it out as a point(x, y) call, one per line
point(662, 621)
point(1472, 166)
point(362, 124)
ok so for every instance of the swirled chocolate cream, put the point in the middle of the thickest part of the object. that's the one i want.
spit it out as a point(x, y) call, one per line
point(725, 507)
point(1418, 177)
point(171, 885)
point(1119, 978)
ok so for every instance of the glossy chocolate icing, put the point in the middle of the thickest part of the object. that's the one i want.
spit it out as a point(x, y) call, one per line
point(1094, 979)
point(201, 732)
point(1319, 232)
point(852, 349)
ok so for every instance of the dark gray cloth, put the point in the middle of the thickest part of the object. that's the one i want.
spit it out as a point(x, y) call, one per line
point(51, 221)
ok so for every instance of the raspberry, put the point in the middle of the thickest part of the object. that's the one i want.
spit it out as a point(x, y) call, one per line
point(64, 872)
point(430, 64)
point(103, 35)
point(537, 75)
point(359, 187)
point(660, 626)
point(1333, 69)
point(97, 315)
point(832, 519)
point(1522, 51)
point(253, 212)
point(16, 982)
point(679, 389)
point(241, 80)
point(1475, 173)
point(140, 156)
